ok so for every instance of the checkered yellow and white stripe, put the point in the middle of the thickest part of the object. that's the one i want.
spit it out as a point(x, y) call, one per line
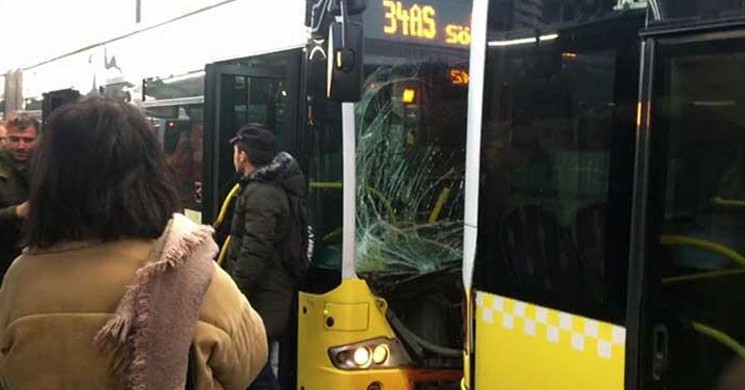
point(524, 346)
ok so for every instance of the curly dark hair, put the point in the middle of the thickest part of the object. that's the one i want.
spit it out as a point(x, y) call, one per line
point(20, 120)
point(99, 174)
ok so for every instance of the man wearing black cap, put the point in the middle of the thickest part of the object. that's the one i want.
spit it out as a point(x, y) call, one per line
point(260, 227)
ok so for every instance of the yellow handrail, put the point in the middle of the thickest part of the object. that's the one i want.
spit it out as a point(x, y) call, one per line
point(721, 337)
point(720, 249)
point(701, 243)
point(326, 185)
point(435, 214)
point(226, 205)
point(702, 276)
point(728, 202)
point(221, 218)
point(224, 250)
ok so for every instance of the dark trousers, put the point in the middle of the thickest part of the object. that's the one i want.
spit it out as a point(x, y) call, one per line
point(266, 379)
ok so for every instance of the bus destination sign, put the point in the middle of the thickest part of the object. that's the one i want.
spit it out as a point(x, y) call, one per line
point(438, 22)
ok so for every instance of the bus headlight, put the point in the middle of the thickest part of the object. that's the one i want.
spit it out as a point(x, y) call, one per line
point(361, 357)
point(375, 353)
point(380, 353)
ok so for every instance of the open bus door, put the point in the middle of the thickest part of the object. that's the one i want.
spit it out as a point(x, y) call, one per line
point(261, 89)
point(687, 263)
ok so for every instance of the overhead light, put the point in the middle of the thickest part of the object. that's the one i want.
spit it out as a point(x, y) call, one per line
point(522, 41)
point(183, 77)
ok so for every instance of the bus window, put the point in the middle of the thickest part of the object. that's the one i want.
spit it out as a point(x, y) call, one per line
point(697, 294)
point(174, 107)
point(325, 195)
point(179, 128)
point(556, 151)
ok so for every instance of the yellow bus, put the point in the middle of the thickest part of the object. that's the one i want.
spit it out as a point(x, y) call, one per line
point(390, 316)
point(604, 216)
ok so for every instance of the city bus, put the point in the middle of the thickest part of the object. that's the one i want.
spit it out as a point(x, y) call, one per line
point(389, 317)
point(603, 227)
point(394, 319)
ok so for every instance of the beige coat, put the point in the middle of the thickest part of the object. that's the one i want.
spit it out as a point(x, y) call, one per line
point(53, 304)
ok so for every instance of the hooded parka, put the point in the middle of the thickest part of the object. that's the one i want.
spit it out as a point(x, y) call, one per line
point(260, 227)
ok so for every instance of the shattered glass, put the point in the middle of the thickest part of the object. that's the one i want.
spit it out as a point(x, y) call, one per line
point(410, 165)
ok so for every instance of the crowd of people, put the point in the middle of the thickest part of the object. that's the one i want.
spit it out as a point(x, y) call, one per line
point(106, 285)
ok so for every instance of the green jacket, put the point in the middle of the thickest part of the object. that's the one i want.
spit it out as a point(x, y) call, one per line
point(261, 224)
point(13, 191)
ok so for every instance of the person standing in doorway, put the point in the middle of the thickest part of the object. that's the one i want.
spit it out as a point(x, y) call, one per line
point(23, 132)
point(261, 226)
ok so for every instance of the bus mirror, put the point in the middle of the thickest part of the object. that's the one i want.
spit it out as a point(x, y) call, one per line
point(320, 13)
point(344, 62)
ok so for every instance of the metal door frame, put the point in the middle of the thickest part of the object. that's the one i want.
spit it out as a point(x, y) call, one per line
point(647, 191)
point(212, 116)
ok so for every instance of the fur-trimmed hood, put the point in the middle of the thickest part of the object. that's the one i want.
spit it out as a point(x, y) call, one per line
point(284, 171)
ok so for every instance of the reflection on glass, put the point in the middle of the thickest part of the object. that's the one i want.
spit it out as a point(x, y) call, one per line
point(557, 133)
point(699, 262)
point(180, 129)
point(258, 100)
point(696, 9)
point(525, 17)
point(189, 85)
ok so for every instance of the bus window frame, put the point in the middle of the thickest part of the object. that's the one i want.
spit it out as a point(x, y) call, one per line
point(649, 196)
point(212, 116)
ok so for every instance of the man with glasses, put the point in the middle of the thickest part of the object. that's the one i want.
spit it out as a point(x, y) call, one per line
point(23, 132)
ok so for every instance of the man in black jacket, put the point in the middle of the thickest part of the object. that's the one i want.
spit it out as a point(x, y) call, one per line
point(260, 227)
point(23, 131)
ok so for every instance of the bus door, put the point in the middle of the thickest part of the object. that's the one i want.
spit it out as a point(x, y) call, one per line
point(688, 241)
point(261, 89)
point(548, 194)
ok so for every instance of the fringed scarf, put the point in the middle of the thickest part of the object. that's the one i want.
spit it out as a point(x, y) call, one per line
point(154, 324)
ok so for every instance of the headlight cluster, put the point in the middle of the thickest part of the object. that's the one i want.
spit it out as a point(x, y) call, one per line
point(376, 353)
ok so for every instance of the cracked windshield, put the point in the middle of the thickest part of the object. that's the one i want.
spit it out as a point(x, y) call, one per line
point(410, 166)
